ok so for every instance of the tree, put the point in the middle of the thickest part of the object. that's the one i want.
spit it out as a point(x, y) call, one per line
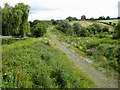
point(108, 18)
point(92, 18)
point(38, 30)
point(14, 19)
point(82, 32)
point(6, 20)
point(83, 17)
point(53, 22)
point(0, 20)
point(77, 26)
point(65, 27)
point(98, 27)
point(71, 18)
point(105, 29)
point(25, 9)
point(116, 34)
point(101, 18)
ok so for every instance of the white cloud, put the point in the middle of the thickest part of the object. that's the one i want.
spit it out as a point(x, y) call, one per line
point(60, 9)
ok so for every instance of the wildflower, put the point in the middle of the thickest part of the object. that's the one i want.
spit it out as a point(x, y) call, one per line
point(16, 77)
point(89, 76)
point(43, 60)
point(88, 50)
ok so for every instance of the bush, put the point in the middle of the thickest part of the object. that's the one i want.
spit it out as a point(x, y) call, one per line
point(77, 26)
point(97, 26)
point(110, 23)
point(65, 27)
point(106, 29)
point(82, 32)
point(39, 30)
point(11, 40)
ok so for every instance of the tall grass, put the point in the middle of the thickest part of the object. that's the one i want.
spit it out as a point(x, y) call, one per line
point(35, 63)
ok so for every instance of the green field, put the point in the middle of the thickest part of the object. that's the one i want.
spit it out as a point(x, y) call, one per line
point(107, 21)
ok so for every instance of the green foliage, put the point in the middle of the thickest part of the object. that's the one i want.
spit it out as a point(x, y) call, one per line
point(54, 22)
point(82, 32)
point(38, 30)
point(116, 34)
point(97, 26)
point(35, 63)
point(105, 29)
point(105, 51)
point(14, 20)
point(101, 18)
point(77, 26)
point(65, 27)
point(0, 20)
point(108, 18)
point(11, 40)
point(83, 17)
point(71, 18)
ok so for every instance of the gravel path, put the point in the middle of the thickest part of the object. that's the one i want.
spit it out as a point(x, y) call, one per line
point(98, 77)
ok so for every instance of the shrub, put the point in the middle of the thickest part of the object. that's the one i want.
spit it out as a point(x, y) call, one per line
point(97, 26)
point(77, 26)
point(106, 29)
point(39, 30)
point(110, 23)
point(82, 32)
point(116, 34)
point(11, 40)
point(65, 27)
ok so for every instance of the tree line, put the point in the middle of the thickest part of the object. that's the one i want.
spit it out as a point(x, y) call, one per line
point(94, 30)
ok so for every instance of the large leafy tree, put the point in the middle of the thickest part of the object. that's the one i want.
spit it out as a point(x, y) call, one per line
point(25, 9)
point(6, 20)
point(14, 19)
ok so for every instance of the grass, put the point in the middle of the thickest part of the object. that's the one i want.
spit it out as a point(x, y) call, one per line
point(11, 40)
point(37, 63)
point(107, 21)
point(106, 49)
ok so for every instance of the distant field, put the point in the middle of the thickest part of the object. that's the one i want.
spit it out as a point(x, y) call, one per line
point(87, 23)
point(107, 21)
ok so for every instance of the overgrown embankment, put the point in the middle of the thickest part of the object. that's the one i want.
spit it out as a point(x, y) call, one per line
point(37, 63)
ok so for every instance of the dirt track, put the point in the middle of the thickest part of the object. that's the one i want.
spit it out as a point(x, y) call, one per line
point(98, 77)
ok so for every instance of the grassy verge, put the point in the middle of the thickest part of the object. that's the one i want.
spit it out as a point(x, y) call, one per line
point(11, 40)
point(37, 63)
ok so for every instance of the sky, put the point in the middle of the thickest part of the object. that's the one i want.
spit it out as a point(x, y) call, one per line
point(61, 9)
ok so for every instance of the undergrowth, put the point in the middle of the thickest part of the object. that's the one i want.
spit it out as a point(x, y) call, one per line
point(36, 63)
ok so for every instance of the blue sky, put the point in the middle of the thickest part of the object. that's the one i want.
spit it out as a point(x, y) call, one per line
point(61, 9)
